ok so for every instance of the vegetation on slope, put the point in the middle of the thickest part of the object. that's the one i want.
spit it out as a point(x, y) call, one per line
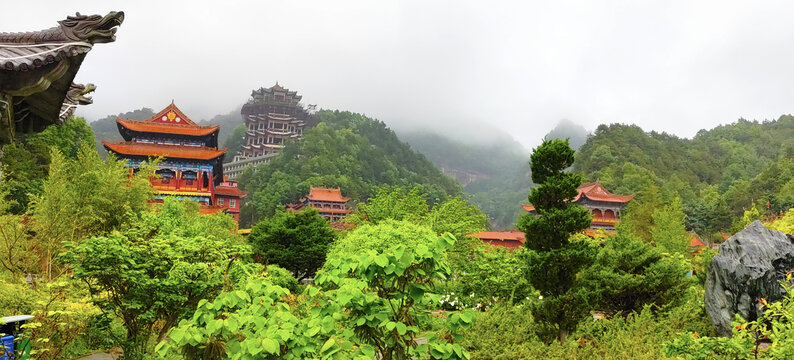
point(347, 150)
point(719, 174)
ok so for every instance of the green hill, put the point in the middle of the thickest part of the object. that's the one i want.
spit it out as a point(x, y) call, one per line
point(495, 172)
point(348, 150)
point(718, 174)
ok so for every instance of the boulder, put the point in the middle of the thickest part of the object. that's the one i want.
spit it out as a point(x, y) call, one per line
point(750, 265)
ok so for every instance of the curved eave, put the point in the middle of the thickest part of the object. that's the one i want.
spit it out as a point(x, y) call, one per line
point(151, 127)
point(620, 199)
point(168, 151)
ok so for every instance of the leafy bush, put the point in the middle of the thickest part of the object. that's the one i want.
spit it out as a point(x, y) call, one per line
point(769, 337)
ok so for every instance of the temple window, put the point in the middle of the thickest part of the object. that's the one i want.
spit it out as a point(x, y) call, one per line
point(232, 203)
point(220, 201)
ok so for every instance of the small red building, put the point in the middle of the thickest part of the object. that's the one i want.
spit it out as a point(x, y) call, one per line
point(604, 205)
point(191, 167)
point(511, 239)
point(228, 195)
point(328, 201)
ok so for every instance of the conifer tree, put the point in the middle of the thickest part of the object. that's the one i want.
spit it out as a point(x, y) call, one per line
point(553, 261)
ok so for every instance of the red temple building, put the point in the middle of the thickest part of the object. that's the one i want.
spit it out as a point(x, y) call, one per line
point(328, 201)
point(604, 205)
point(511, 239)
point(191, 166)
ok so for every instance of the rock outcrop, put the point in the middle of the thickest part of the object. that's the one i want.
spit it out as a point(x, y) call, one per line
point(750, 265)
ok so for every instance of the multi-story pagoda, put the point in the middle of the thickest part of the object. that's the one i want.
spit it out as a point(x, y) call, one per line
point(329, 202)
point(272, 116)
point(191, 166)
point(604, 205)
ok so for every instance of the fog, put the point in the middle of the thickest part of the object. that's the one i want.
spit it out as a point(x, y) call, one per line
point(518, 67)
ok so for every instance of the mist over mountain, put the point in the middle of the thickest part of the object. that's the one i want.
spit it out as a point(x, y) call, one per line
point(567, 129)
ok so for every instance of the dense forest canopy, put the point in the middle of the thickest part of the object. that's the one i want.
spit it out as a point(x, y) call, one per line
point(347, 150)
point(719, 174)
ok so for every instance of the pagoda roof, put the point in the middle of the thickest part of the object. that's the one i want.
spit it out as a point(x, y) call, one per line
point(230, 191)
point(159, 127)
point(170, 151)
point(326, 194)
point(597, 192)
point(510, 235)
point(594, 191)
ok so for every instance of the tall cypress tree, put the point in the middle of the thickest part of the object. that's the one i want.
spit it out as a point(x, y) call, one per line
point(553, 261)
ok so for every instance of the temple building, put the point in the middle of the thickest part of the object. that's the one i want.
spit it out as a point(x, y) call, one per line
point(37, 70)
point(191, 166)
point(329, 202)
point(272, 116)
point(604, 205)
point(511, 239)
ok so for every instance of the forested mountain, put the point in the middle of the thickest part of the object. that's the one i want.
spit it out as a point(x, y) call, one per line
point(495, 173)
point(718, 174)
point(567, 129)
point(348, 150)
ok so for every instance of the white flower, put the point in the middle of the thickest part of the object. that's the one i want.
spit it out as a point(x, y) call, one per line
point(540, 297)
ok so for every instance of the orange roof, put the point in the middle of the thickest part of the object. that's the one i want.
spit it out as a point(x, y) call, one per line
point(164, 128)
point(210, 209)
point(230, 191)
point(171, 151)
point(593, 191)
point(511, 235)
point(597, 192)
point(694, 241)
point(171, 115)
point(326, 194)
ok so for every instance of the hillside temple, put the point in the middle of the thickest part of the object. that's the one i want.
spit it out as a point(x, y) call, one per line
point(604, 205)
point(271, 116)
point(191, 168)
point(329, 202)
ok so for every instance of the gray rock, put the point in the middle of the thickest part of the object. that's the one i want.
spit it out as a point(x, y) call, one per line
point(750, 265)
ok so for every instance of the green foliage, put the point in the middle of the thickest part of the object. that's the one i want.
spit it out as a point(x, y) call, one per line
point(746, 163)
point(553, 261)
point(296, 241)
point(769, 337)
point(25, 163)
point(387, 234)
point(494, 173)
point(379, 286)
point(628, 274)
point(669, 232)
point(785, 223)
point(156, 271)
point(492, 274)
point(366, 304)
point(392, 203)
point(348, 150)
point(234, 143)
point(454, 215)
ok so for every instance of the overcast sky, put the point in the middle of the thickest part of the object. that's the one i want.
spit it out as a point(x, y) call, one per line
point(675, 66)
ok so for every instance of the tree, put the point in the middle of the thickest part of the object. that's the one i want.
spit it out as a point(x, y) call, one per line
point(553, 260)
point(366, 305)
point(296, 241)
point(25, 163)
point(83, 197)
point(628, 273)
point(669, 232)
point(157, 271)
